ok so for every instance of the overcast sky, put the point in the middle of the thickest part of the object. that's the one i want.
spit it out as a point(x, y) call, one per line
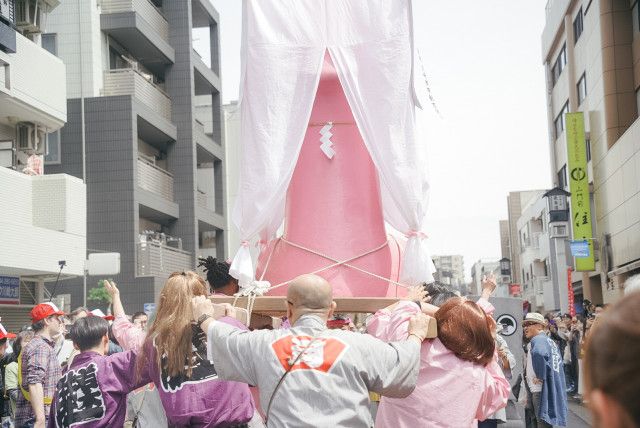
point(483, 63)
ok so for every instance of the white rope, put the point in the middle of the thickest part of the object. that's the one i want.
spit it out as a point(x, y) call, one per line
point(266, 266)
point(251, 294)
point(426, 81)
point(343, 263)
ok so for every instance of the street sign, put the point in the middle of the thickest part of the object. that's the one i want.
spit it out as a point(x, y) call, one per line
point(509, 324)
point(149, 308)
point(9, 290)
point(582, 226)
point(100, 264)
point(580, 249)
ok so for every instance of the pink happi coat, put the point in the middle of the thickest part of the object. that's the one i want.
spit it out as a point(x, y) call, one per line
point(450, 392)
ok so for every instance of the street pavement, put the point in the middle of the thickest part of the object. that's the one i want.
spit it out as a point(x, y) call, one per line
point(578, 415)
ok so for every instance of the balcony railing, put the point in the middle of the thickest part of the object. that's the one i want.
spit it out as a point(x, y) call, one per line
point(127, 81)
point(202, 200)
point(144, 8)
point(532, 241)
point(155, 259)
point(154, 179)
point(540, 283)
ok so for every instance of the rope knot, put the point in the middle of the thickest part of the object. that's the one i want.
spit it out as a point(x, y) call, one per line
point(416, 233)
point(257, 288)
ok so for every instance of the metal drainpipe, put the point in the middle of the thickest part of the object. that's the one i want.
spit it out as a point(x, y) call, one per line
point(82, 136)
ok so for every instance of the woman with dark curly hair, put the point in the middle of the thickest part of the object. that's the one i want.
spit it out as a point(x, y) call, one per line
point(218, 277)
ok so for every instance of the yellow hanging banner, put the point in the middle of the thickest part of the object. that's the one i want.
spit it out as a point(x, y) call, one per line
point(579, 187)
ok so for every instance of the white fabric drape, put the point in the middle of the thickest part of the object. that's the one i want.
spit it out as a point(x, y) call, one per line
point(371, 45)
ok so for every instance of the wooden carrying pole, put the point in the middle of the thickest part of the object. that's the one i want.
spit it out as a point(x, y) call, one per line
point(277, 305)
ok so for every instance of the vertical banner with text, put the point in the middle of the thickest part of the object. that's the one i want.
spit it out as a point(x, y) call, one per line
point(579, 188)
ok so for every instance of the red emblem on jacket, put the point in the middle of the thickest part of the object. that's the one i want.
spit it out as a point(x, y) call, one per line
point(321, 355)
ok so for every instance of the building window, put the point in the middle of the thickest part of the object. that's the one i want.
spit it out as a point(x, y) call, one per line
point(577, 26)
point(562, 177)
point(635, 14)
point(587, 141)
point(559, 121)
point(560, 230)
point(52, 153)
point(559, 65)
point(582, 88)
point(50, 43)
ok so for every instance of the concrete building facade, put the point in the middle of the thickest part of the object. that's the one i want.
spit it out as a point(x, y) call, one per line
point(231, 116)
point(515, 202)
point(482, 268)
point(544, 258)
point(153, 170)
point(591, 52)
point(43, 217)
point(449, 270)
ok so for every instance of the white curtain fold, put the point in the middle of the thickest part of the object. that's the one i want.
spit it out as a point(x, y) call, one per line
point(371, 45)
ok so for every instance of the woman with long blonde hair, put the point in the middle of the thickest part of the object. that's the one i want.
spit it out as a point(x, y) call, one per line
point(174, 357)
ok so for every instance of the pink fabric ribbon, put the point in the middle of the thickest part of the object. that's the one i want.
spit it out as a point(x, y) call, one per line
point(417, 233)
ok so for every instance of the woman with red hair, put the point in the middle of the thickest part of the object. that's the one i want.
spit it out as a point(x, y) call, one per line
point(460, 381)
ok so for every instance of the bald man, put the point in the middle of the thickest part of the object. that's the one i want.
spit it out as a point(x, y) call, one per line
point(308, 375)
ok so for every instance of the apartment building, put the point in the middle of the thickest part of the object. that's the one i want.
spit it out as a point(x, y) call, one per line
point(544, 254)
point(152, 164)
point(449, 270)
point(591, 52)
point(42, 220)
point(483, 268)
point(231, 112)
point(515, 203)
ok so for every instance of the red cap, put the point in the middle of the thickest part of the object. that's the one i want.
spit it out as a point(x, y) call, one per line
point(43, 310)
point(4, 334)
point(338, 322)
point(99, 313)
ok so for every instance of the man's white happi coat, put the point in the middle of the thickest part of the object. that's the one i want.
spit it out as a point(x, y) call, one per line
point(329, 385)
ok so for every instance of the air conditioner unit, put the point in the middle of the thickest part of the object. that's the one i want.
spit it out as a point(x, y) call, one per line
point(30, 137)
point(29, 15)
point(539, 300)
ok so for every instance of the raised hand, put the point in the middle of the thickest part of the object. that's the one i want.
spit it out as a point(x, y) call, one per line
point(488, 285)
point(111, 288)
point(417, 294)
point(201, 305)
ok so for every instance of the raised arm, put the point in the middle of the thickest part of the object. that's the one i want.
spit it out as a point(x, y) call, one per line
point(488, 287)
point(392, 323)
point(392, 369)
point(128, 335)
point(229, 345)
point(114, 292)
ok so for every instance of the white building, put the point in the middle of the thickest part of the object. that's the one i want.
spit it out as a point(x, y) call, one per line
point(43, 218)
point(544, 257)
point(591, 53)
point(449, 270)
point(482, 268)
point(231, 113)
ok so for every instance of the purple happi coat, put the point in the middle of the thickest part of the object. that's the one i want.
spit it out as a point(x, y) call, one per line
point(93, 391)
point(202, 400)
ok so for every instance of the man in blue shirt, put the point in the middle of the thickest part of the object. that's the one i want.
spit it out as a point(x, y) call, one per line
point(544, 374)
